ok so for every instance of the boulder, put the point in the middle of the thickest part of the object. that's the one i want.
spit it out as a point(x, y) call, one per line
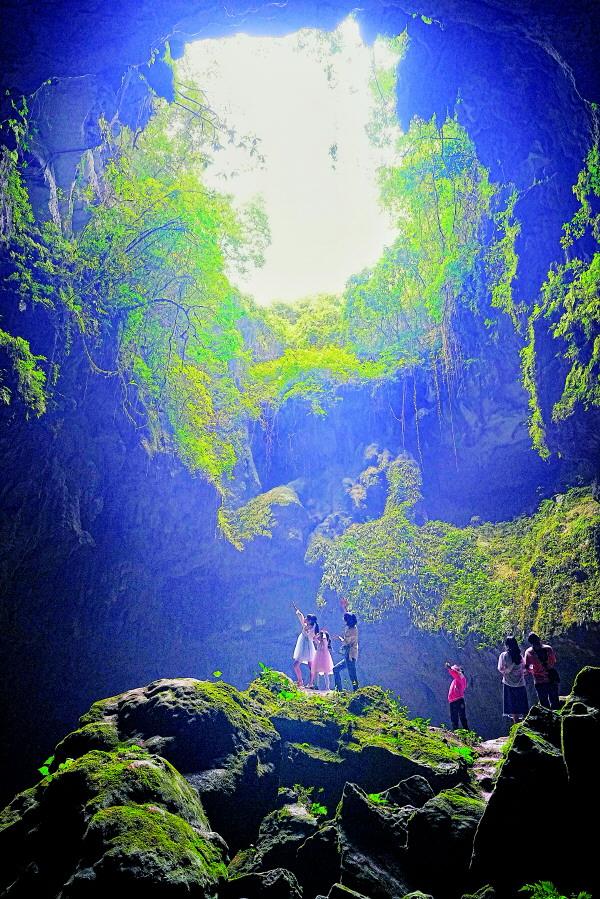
point(371, 821)
point(448, 821)
point(531, 795)
point(276, 884)
point(225, 745)
point(364, 739)
point(372, 837)
point(391, 844)
point(318, 861)
point(413, 791)
point(280, 835)
point(580, 736)
point(339, 891)
point(110, 820)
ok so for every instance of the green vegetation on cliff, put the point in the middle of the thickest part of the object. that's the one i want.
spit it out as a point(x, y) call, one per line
point(568, 310)
point(142, 288)
point(541, 571)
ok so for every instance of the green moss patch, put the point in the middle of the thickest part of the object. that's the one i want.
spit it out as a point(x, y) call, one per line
point(152, 844)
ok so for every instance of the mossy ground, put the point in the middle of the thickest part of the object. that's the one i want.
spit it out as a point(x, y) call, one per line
point(369, 717)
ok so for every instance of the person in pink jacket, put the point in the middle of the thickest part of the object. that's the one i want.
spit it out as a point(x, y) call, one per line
point(456, 696)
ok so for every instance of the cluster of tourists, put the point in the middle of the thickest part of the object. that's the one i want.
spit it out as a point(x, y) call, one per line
point(538, 661)
point(314, 647)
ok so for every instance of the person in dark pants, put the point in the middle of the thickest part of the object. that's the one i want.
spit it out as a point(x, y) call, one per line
point(540, 661)
point(456, 696)
point(350, 647)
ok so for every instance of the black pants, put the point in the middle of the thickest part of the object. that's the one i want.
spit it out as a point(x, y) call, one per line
point(350, 664)
point(548, 695)
point(458, 710)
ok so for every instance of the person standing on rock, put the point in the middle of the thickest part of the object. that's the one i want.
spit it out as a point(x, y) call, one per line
point(456, 696)
point(540, 661)
point(304, 651)
point(350, 650)
point(511, 666)
point(323, 663)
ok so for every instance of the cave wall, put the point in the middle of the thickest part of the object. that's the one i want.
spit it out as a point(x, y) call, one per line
point(112, 573)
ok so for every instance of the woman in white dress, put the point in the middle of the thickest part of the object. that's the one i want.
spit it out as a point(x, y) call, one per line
point(305, 651)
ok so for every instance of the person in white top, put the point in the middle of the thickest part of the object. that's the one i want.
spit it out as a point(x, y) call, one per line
point(511, 666)
point(304, 651)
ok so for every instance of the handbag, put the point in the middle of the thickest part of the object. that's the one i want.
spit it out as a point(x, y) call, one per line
point(553, 675)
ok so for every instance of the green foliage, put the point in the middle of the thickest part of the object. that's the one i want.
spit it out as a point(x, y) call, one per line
point(45, 768)
point(145, 284)
point(541, 572)
point(255, 518)
point(569, 306)
point(421, 723)
point(501, 260)
point(378, 799)
point(546, 890)
point(317, 809)
point(50, 775)
point(465, 752)
point(310, 373)
point(278, 684)
point(401, 310)
point(469, 737)
point(31, 380)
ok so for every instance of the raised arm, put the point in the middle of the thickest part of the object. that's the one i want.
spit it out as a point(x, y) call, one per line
point(300, 617)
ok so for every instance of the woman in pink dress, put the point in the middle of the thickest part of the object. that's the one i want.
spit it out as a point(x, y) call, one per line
point(323, 663)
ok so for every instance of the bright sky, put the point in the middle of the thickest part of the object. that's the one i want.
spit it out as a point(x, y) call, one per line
point(300, 99)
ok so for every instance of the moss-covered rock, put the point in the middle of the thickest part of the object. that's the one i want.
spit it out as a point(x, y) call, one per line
point(95, 735)
point(374, 746)
point(533, 776)
point(194, 724)
point(448, 822)
point(147, 851)
point(415, 791)
point(386, 848)
point(318, 861)
point(106, 818)
point(220, 738)
point(280, 835)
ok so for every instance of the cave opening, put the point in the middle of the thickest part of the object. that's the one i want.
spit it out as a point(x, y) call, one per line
point(305, 132)
point(347, 350)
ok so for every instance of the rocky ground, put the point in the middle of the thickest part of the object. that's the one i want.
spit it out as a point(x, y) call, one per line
point(191, 788)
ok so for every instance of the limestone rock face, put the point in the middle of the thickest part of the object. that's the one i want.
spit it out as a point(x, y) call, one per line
point(120, 820)
point(228, 752)
point(386, 848)
point(549, 777)
point(280, 835)
point(112, 813)
point(276, 884)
